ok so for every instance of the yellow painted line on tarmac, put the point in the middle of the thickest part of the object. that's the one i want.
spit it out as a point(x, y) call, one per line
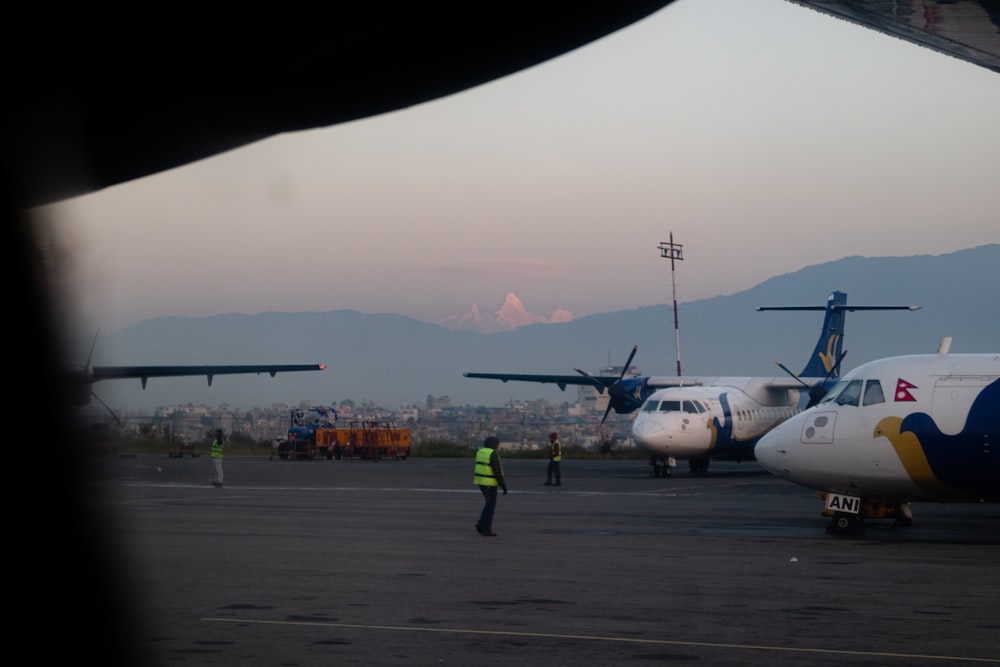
point(622, 640)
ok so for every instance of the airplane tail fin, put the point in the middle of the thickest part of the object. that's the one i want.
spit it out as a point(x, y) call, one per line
point(825, 357)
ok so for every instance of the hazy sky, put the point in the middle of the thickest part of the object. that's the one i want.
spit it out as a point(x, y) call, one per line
point(764, 135)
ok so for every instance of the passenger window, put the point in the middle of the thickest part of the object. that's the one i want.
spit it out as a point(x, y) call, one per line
point(873, 393)
point(851, 394)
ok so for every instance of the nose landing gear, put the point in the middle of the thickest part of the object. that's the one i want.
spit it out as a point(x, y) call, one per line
point(659, 467)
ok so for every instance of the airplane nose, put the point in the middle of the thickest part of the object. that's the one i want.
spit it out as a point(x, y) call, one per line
point(766, 453)
point(672, 434)
point(647, 432)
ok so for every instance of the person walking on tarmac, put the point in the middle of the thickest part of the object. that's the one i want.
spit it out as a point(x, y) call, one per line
point(555, 456)
point(217, 457)
point(489, 477)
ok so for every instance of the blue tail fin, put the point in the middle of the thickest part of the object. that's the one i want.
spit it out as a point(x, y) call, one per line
point(831, 337)
point(825, 357)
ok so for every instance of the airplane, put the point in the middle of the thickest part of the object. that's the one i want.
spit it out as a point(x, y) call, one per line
point(700, 418)
point(923, 427)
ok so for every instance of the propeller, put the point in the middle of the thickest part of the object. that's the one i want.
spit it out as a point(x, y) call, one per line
point(89, 368)
point(614, 388)
point(86, 386)
point(111, 412)
point(818, 390)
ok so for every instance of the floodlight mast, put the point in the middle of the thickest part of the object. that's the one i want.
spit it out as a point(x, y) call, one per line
point(675, 253)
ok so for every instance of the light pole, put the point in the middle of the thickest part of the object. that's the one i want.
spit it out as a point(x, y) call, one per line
point(674, 251)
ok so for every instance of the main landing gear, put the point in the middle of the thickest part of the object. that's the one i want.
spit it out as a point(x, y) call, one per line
point(699, 466)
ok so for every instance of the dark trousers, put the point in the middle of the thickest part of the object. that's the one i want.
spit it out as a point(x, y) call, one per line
point(553, 471)
point(485, 523)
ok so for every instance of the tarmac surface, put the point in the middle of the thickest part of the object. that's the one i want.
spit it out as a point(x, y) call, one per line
point(378, 563)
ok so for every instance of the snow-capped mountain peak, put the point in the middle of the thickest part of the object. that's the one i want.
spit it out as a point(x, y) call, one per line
point(511, 315)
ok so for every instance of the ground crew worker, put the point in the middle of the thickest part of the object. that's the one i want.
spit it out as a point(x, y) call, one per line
point(217, 457)
point(489, 477)
point(555, 456)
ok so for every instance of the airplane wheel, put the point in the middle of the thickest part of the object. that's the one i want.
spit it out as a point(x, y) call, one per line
point(845, 524)
point(698, 466)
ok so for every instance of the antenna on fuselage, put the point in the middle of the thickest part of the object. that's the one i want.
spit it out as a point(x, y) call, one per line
point(674, 252)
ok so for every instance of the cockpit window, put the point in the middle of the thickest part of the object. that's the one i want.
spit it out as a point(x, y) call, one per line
point(692, 407)
point(851, 394)
point(833, 393)
point(845, 392)
point(873, 393)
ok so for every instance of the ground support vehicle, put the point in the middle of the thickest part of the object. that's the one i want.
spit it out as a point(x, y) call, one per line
point(178, 448)
point(369, 440)
point(299, 444)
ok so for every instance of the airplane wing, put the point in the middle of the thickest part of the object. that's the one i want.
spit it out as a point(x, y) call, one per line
point(966, 29)
point(627, 393)
point(561, 380)
point(652, 382)
point(765, 383)
point(145, 372)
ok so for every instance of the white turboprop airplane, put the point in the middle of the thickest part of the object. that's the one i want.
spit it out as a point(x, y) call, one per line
point(702, 418)
point(724, 417)
point(895, 430)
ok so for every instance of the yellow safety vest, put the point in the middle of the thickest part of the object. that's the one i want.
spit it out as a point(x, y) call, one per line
point(484, 471)
point(216, 449)
point(557, 457)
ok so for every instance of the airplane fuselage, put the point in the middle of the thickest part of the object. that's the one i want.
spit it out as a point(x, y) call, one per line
point(920, 427)
point(720, 421)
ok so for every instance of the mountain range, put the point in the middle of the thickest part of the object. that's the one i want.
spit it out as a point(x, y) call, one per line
point(394, 360)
